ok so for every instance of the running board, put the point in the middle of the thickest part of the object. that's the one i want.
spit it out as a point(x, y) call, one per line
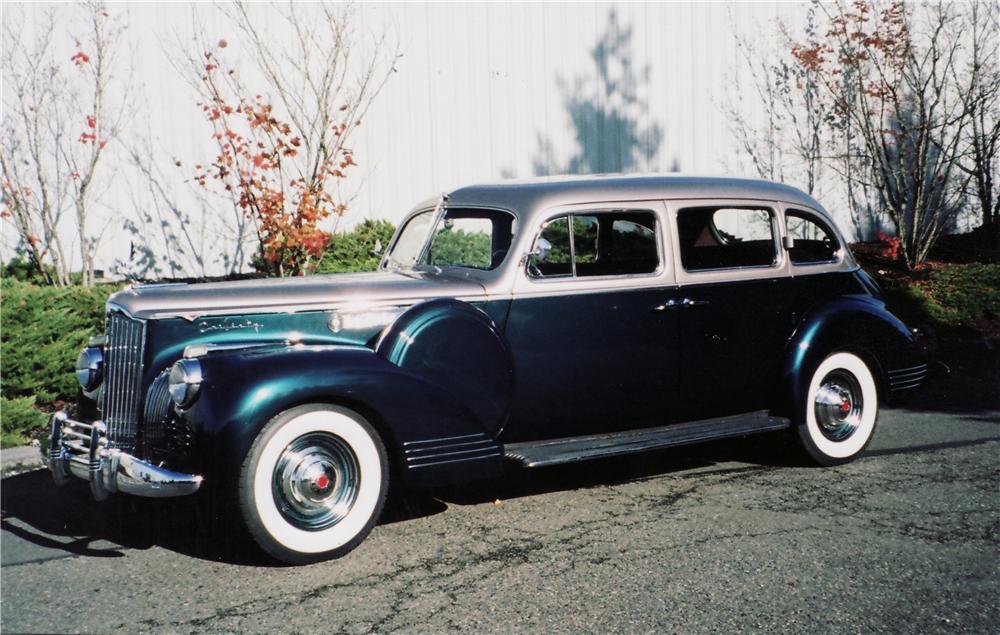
point(571, 449)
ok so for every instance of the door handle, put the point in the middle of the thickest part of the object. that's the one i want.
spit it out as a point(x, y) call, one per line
point(669, 304)
point(690, 302)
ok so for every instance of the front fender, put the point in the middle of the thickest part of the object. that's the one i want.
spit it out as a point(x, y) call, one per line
point(857, 323)
point(418, 419)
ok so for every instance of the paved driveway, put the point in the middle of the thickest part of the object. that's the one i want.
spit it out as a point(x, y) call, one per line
point(726, 537)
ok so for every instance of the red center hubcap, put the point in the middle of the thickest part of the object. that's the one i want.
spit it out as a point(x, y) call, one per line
point(323, 481)
point(845, 406)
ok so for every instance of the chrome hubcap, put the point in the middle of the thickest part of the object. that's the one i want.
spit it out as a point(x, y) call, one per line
point(316, 481)
point(838, 405)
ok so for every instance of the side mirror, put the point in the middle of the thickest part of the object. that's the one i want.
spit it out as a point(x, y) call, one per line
point(788, 243)
point(540, 252)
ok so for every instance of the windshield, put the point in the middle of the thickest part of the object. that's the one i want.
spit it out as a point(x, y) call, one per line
point(470, 238)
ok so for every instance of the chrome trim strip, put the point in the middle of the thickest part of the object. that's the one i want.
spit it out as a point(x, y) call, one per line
point(496, 454)
point(276, 309)
point(907, 375)
point(479, 435)
point(449, 452)
point(905, 371)
point(908, 386)
point(418, 452)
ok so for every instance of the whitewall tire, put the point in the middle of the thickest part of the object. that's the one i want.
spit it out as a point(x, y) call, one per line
point(837, 420)
point(314, 483)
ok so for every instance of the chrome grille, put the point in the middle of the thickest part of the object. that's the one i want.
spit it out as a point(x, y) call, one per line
point(121, 398)
point(156, 411)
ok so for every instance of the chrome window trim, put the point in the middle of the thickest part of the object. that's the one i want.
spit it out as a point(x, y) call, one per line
point(779, 269)
point(382, 265)
point(528, 286)
point(772, 209)
point(815, 217)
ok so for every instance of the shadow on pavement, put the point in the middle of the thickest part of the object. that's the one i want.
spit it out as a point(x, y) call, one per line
point(969, 386)
point(67, 520)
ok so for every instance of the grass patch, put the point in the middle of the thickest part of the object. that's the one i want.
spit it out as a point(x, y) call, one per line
point(958, 299)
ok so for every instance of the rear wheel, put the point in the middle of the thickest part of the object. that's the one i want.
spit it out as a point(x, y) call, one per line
point(313, 484)
point(841, 406)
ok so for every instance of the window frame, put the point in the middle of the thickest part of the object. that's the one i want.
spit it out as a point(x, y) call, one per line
point(568, 214)
point(515, 224)
point(707, 276)
point(776, 234)
point(800, 212)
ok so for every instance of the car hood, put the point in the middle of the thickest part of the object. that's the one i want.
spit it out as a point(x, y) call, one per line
point(273, 295)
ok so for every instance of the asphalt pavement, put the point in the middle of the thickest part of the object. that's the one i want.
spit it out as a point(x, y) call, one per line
point(735, 536)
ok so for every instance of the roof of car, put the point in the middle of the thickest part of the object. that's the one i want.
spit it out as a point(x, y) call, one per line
point(530, 196)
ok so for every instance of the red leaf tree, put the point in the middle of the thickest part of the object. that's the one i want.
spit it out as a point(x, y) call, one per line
point(906, 78)
point(283, 151)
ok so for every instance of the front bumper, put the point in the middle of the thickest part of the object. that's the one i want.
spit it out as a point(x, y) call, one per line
point(80, 449)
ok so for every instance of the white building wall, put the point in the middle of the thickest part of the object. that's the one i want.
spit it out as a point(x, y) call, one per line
point(476, 88)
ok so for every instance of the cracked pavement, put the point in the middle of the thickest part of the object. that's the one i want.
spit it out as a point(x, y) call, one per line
point(727, 537)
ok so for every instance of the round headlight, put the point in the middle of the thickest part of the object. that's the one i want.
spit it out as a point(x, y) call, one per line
point(185, 382)
point(89, 367)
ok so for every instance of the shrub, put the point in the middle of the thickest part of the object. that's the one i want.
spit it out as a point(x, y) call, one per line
point(953, 296)
point(354, 250)
point(18, 419)
point(965, 294)
point(458, 247)
point(43, 330)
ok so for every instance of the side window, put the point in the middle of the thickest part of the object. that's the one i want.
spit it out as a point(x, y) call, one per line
point(462, 241)
point(553, 257)
point(814, 242)
point(603, 244)
point(726, 237)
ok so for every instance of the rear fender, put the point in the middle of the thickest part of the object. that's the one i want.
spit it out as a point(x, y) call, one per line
point(854, 323)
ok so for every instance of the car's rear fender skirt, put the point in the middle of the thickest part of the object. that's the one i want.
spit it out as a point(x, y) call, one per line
point(433, 438)
point(858, 324)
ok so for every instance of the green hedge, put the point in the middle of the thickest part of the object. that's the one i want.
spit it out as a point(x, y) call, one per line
point(43, 330)
point(20, 420)
point(354, 251)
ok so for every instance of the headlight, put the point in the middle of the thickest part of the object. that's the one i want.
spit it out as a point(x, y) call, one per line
point(89, 367)
point(185, 382)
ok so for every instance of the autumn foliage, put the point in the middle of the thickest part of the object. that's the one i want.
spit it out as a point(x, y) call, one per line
point(904, 80)
point(263, 165)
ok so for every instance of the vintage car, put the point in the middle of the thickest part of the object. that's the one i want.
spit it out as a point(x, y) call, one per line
point(533, 322)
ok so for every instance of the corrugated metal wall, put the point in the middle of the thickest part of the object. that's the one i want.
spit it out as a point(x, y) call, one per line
point(480, 92)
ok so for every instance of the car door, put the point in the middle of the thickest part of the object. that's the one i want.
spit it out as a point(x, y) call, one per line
point(735, 301)
point(595, 349)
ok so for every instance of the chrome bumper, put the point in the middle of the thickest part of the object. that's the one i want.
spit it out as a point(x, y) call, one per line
point(80, 449)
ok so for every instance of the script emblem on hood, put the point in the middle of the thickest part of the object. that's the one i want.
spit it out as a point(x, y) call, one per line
point(228, 325)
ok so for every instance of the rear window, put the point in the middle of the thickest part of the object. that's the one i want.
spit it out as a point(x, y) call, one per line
point(726, 237)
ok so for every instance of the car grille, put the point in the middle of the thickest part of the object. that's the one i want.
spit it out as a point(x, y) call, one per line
point(121, 397)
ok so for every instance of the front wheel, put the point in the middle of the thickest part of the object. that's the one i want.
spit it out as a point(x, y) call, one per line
point(837, 420)
point(313, 484)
